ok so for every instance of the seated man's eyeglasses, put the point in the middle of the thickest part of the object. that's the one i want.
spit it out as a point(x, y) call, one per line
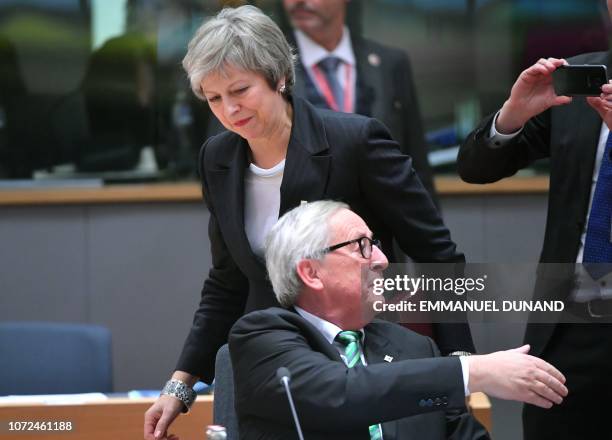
point(365, 246)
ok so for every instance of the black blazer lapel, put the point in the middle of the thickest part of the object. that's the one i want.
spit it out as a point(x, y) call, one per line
point(377, 346)
point(307, 163)
point(315, 338)
point(369, 80)
point(226, 184)
point(587, 139)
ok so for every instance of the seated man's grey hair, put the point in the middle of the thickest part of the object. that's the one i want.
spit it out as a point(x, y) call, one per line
point(300, 234)
point(245, 38)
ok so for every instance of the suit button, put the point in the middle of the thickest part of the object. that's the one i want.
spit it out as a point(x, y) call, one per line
point(422, 403)
point(429, 402)
point(397, 105)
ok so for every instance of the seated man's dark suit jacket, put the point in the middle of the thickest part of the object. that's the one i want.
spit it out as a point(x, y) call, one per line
point(413, 396)
point(569, 136)
point(331, 155)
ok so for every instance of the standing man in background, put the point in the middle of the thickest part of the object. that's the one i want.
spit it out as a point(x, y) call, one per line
point(574, 133)
point(342, 71)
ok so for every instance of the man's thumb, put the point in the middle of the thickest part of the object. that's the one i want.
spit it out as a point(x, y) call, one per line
point(523, 349)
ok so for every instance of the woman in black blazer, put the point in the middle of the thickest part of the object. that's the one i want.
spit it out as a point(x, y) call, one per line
point(278, 152)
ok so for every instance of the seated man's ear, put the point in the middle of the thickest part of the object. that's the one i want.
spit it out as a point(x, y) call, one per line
point(308, 271)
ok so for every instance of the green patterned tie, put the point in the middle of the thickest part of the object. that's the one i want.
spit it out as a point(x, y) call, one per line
point(352, 352)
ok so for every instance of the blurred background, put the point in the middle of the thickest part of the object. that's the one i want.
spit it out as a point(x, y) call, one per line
point(94, 88)
point(92, 93)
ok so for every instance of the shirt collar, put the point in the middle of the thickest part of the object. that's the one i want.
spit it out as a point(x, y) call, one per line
point(327, 329)
point(311, 53)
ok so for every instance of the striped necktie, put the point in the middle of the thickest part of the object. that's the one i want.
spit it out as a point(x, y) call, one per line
point(329, 66)
point(598, 242)
point(352, 351)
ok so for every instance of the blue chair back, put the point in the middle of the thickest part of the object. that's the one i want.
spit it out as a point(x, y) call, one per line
point(224, 413)
point(54, 358)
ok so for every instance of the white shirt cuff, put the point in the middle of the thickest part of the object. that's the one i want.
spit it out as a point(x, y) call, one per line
point(465, 370)
point(496, 139)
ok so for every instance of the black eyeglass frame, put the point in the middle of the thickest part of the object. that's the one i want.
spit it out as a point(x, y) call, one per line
point(360, 241)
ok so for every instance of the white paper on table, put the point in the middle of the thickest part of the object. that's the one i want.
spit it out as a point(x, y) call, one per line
point(55, 399)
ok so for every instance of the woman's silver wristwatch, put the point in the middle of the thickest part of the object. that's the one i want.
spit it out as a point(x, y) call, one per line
point(180, 390)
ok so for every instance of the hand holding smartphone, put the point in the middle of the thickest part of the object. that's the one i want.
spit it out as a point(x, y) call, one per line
point(579, 80)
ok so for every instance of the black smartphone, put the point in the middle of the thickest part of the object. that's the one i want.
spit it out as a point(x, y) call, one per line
point(579, 80)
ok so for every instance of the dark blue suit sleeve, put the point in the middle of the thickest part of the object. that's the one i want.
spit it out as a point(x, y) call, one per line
point(479, 163)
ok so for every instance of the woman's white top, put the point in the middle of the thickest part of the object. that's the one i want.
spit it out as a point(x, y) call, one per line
point(261, 203)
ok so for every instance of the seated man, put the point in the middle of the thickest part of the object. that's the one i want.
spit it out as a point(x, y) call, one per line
point(354, 377)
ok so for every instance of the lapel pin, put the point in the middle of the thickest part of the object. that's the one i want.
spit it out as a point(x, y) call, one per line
point(388, 358)
point(374, 59)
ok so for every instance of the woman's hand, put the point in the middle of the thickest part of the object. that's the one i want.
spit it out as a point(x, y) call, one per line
point(531, 94)
point(160, 416)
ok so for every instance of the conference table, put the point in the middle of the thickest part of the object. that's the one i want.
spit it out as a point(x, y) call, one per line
point(117, 418)
point(121, 418)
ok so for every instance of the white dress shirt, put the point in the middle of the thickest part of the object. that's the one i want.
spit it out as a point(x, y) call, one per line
point(261, 203)
point(311, 54)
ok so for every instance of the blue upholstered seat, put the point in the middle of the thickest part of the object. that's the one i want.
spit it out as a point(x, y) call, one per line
point(54, 358)
point(224, 413)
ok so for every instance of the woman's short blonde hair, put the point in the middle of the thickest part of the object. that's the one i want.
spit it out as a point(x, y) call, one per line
point(245, 38)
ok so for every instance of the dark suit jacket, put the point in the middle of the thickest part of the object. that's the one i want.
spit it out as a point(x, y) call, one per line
point(385, 91)
point(410, 395)
point(568, 135)
point(330, 155)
